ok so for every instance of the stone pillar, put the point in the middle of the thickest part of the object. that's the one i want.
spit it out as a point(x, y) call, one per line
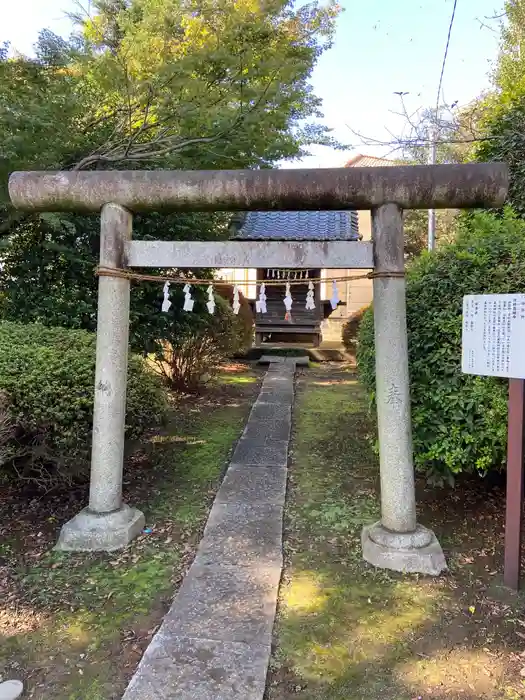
point(108, 524)
point(397, 542)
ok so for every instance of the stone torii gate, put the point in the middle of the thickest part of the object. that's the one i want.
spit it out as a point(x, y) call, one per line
point(397, 541)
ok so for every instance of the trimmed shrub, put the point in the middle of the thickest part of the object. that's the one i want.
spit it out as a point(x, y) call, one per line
point(191, 354)
point(351, 329)
point(459, 421)
point(46, 404)
point(244, 326)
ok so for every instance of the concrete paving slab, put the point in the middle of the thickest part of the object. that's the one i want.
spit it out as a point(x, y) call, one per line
point(271, 453)
point(270, 411)
point(282, 375)
point(263, 430)
point(281, 366)
point(215, 642)
point(242, 536)
point(233, 604)
point(277, 383)
point(281, 396)
point(285, 374)
point(282, 370)
point(253, 485)
point(272, 360)
point(281, 388)
point(183, 668)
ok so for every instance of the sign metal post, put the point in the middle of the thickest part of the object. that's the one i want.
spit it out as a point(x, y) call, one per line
point(494, 345)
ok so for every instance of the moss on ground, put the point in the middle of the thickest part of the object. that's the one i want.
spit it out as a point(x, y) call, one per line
point(75, 625)
point(346, 631)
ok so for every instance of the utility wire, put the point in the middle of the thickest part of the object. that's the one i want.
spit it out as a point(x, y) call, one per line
point(445, 56)
point(433, 132)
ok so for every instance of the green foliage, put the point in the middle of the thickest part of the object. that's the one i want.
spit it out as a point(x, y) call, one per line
point(416, 230)
point(177, 84)
point(244, 326)
point(350, 330)
point(503, 112)
point(192, 350)
point(48, 265)
point(47, 380)
point(459, 420)
point(148, 83)
point(49, 278)
point(39, 103)
point(505, 127)
point(510, 71)
point(46, 115)
point(49, 272)
point(215, 79)
point(89, 599)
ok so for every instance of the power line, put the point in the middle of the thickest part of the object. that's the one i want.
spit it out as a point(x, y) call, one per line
point(445, 55)
point(433, 132)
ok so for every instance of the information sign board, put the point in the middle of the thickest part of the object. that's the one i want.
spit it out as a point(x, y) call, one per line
point(493, 342)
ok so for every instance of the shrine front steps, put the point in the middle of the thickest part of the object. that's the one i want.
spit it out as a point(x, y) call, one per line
point(301, 361)
point(215, 642)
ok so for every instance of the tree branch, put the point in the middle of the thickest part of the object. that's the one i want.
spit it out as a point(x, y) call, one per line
point(162, 145)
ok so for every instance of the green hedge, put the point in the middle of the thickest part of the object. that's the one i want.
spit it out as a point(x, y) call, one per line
point(459, 421)
point(47, 389)
point(351, 330)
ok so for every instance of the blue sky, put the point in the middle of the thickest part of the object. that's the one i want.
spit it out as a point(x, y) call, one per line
point(382, 46)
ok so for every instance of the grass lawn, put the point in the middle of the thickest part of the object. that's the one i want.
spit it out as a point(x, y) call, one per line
point(74, 626)
point(346, 631)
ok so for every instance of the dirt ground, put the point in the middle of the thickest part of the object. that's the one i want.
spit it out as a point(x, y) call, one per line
point(74, 626)
point(346, 631)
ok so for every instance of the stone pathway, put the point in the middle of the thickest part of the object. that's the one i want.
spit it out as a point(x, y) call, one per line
point(215, 642)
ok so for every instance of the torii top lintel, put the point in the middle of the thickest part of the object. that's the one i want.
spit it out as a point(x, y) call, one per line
point(409, 186)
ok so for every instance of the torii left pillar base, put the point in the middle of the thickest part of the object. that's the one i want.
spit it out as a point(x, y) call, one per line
point(101, 532)
point(108, 523)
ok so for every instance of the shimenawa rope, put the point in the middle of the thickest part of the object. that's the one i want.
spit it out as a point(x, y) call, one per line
point(103, 271)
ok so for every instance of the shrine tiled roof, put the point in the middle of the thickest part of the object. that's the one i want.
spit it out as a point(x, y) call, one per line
point(362, 161)
point(296, 226)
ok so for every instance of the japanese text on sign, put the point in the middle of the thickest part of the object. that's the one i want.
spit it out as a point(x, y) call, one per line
point(493, 342)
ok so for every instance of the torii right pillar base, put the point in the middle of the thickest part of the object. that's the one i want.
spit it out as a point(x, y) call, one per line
point(397, 542)
point(409, 552)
